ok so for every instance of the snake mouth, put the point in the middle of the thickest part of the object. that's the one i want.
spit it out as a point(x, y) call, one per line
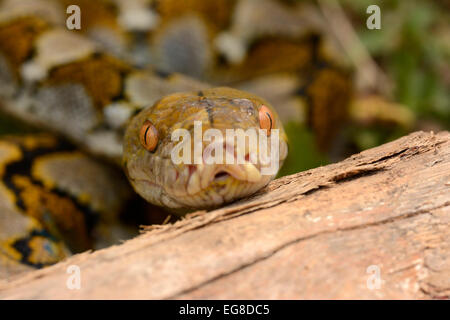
point(204, 176)
point(208, 186)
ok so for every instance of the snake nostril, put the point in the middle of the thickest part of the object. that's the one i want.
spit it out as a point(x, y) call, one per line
point(220, 175)
point(192, 168)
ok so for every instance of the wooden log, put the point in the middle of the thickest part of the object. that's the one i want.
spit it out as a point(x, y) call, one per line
point(376, 225)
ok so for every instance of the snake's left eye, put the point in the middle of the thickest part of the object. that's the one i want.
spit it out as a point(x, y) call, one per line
point(266, 120)
point(148, 136)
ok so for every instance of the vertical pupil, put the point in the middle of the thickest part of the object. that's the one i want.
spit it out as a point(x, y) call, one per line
point(270, 118)
point(145, 134)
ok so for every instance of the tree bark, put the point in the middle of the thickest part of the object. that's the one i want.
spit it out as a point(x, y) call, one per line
point(376, 225)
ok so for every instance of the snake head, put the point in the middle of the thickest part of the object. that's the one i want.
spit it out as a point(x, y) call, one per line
point(203, 149)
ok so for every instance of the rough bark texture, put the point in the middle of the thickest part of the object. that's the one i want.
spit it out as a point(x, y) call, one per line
point(310, 235)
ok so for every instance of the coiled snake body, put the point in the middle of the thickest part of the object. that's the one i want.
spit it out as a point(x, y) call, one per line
point(93, 86)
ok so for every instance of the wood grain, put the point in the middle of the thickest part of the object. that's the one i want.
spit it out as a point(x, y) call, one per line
point(312, 235)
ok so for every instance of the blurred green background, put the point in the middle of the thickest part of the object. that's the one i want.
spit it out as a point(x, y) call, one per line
point(412, 48)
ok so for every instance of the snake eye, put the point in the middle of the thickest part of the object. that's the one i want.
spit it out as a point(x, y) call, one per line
point(266, 120)
point(148, 136)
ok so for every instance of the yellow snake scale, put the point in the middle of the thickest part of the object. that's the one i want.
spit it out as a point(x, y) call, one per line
point(134, 61)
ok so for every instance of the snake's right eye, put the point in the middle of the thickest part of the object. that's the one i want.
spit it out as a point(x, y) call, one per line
point(266, 119)
point(148, 136)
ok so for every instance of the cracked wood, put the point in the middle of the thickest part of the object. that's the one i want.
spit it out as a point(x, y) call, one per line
point(309, 235)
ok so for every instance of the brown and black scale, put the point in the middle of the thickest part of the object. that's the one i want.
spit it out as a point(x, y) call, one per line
point(62, 216)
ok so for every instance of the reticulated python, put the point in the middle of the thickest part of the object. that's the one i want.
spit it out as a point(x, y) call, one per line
point(95, 87)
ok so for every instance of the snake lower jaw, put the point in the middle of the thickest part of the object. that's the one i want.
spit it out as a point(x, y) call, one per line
point(204, 176)
point(222, 190)
point(210, 186)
